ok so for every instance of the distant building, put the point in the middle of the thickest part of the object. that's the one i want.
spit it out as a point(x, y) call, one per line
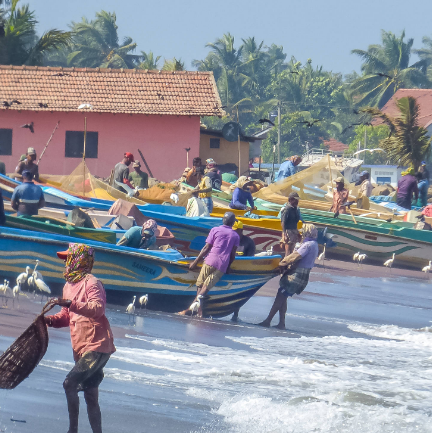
point(213, 145)
point(381, 174)
point(157, 112)
point(335, 146)
point(424, 100)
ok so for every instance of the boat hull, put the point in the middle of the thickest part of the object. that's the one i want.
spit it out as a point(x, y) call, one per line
point(125, 272)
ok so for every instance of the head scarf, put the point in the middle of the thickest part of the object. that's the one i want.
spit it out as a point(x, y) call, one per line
point(310, 231)
point(150, 225)
point(79, 262)
point(409, 171)
point(240, 183)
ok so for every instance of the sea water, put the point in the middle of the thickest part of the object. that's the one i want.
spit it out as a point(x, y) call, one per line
point(357, 357)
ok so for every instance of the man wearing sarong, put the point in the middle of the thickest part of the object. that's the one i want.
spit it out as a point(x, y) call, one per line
point(219, 252)
point(295, 270)
point(83, 310)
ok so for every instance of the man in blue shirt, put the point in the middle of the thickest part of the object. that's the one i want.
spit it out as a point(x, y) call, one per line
point(242, 195)
point(288, 168)
point(27, 198)
point(140, 237)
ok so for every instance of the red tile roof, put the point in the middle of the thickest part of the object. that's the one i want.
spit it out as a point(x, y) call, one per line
point(335, 146)
point(424, 99)
point(110, 90)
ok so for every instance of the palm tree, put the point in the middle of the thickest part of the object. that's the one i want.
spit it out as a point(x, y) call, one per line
point(386, 69)
point(173, 65)
point(426, 54)
point(149, 61)
point(19, 44)
point(407, 143)
point(96, 44)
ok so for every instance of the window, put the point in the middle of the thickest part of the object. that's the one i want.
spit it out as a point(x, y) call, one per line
point(382, 179)
point(74, 146)
point(214, 143)
point(5, 141)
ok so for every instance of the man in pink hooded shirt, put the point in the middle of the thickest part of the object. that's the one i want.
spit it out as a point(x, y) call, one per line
point(83, 310)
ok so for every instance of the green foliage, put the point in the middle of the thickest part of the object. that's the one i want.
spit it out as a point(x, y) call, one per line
point(149, 61)
point(386, 69)
point(173, 65)
point(19, 44)
point(407, 143)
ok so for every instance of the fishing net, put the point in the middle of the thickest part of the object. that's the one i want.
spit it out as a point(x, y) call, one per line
point(25, 353)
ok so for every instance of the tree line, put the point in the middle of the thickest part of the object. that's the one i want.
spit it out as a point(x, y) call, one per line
point(253, 78)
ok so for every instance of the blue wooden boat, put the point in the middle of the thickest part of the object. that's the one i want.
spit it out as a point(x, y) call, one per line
point(125, 272)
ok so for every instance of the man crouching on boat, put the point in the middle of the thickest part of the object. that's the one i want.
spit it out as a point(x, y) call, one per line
point(219, 252)
point(295, 269)
point(83, 310)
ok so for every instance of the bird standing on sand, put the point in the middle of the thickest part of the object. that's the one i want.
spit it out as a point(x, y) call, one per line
point(22, 278)
point(35, 273)
point(428, 268)
point(389, 263)
point(195, 306)
point(42, 287)
point(143, 301)
point(356, 256)
point(361, 257)
point(130, 309)
point(7, 290)
point(16, 292)
point(321, 257)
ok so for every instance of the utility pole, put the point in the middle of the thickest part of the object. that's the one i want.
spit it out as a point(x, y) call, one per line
point(279, 132)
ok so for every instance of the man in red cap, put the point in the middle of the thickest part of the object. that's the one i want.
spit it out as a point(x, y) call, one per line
point(121, 172)
point(83, 310)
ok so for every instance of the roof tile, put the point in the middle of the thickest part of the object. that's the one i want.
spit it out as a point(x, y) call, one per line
point(110, 90)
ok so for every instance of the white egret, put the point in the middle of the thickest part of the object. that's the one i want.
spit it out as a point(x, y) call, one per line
point(143, 301)
point(361, 257)
point(42, 287)
point(130, 309)
point(428, 268)
point(35, 273)
point(195, 306)
point(22, 278)
point(389, 263)
point(356, 256)
point(16, 292)
point(321, 257)
point(7, 290)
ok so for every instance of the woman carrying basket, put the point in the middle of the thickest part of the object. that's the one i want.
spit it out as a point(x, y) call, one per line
point(83, 310)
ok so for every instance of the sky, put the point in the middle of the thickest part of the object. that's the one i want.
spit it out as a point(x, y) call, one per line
point(324, 30)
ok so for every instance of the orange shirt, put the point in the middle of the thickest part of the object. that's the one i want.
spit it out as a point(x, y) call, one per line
point(89, 327)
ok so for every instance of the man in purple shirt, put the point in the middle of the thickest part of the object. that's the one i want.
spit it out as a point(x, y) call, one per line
point(219, 252)
point(295, 269)
point(407, 185)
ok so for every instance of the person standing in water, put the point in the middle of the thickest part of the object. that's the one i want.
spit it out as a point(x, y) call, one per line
point(295, 270)
point(83, 310)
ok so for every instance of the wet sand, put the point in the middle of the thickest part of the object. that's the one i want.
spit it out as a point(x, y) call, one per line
point(138, 396)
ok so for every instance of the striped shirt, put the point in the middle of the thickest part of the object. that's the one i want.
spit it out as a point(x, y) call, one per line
point(27, 196)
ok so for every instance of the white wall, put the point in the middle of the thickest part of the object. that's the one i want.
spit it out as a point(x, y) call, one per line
point(393, 172)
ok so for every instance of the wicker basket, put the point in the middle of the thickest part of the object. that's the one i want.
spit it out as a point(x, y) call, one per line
point(17, 363)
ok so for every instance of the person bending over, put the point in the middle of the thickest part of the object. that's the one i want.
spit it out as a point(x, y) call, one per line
point(140, 237)
point(295, 270)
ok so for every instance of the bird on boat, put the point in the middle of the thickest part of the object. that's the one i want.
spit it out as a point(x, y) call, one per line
point(130, 309)
point(22, 278)
point(143, 301)
point(321, 257)
point(428, 268)
point(42, 287)
point(389, 263)
point(195, 306)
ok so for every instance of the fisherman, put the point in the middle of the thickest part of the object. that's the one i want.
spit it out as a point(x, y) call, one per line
point(219, 252)
point(423, 169)
point(140, 237)
point(407, 186)
point(204, 188)
point(290, 217)
point(28, 164)
point(423, 186)
point(246, 248)
point(27, 198)
point(2, 212)
point(365, 190)
point(288, 167)
point(83, 310)
point(2, 168)
point(195, 206)
point(213, 173)
point(191, 175)
point(138, 178)
point(295, 269)
point(340, 196)
point(121, 172)
point(242, 195)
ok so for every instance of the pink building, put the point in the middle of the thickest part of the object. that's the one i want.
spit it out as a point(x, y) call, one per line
point(155, 111)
